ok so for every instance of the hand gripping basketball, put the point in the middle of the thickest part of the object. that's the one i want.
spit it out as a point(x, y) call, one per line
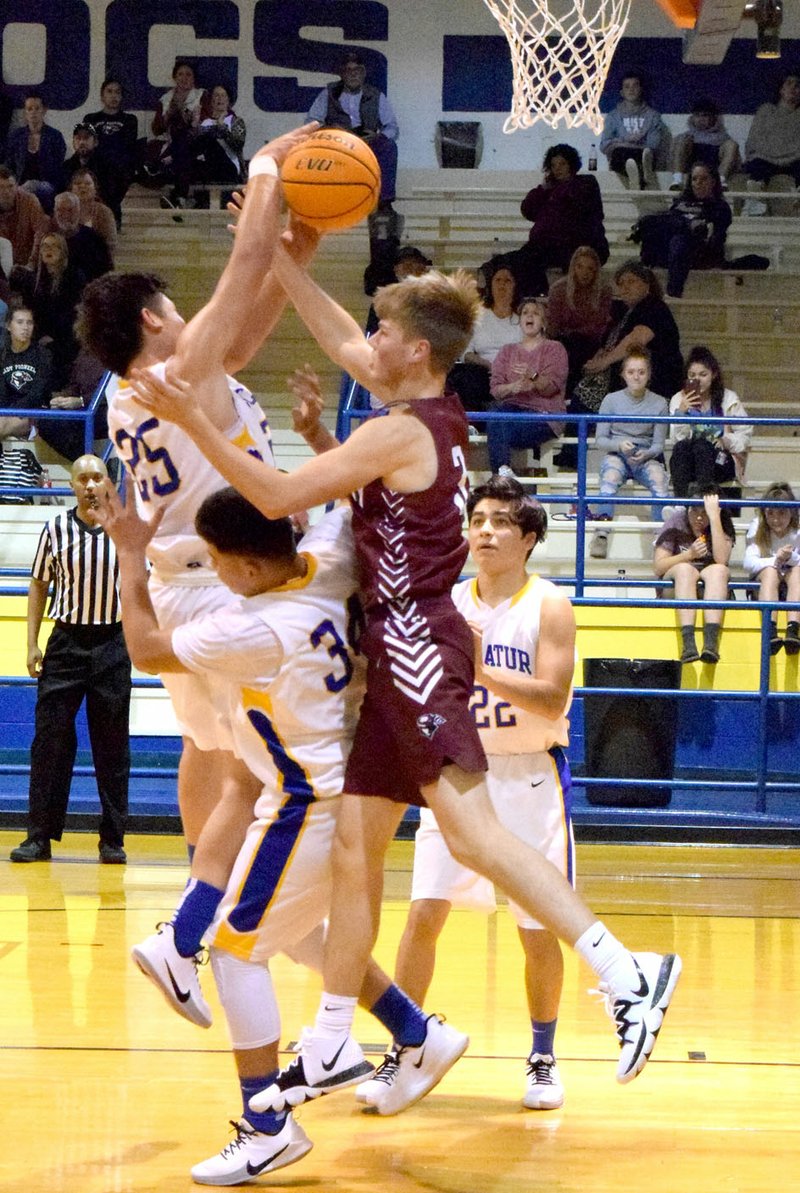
point(331, 181)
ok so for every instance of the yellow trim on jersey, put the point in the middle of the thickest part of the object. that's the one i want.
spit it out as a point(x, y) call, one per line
point(244, 440)
point(525, 588)
point(300, 581)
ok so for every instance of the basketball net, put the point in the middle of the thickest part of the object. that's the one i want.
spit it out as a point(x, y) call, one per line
point(560, 63)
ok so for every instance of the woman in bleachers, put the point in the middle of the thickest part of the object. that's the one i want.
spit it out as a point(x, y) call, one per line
point(634, 451)
point(54, 293)
point(529, 376)
point(704, 452)
point(217, 149)
point(579, 308)
point(175, 124)
point(497, 325)
point(26, 374)
point(695, 545)
point(94, 214)
point(773, 143)
point(772, 556)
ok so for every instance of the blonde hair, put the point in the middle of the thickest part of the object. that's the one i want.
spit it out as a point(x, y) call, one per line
point(594, 291)
point(780, 491)
point(437, 307)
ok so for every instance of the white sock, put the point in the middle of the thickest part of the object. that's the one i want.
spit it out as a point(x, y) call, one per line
point(678, 178)
point(609, 959)
point(335, 1015)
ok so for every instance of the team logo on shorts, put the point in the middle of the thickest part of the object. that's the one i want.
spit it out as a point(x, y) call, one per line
point(429, 722)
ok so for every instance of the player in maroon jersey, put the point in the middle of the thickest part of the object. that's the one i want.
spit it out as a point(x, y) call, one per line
point(416, 739)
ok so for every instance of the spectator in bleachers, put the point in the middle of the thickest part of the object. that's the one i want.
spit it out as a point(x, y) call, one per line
point(497, 325)
point(566, 210)
point(118, 136)
point(692, 234)
point(85, 156)
point(695, 545)
point(634, 451)
point(54, 291)
point(36, 153)
point(21, 217)
point(641, 319)
point(174, 126)
point(94, 213)
point(26, 371)
point(633, 135)
point(772, 556)
point(88, 252)
point(579, 309)
point(6, 113)
point(219, 145)
point(773, 143)
point(409, 262)
point(529, 376)
point(705, 452)
point(706, 140)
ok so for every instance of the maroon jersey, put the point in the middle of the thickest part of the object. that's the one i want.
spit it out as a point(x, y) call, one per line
point(411, 546)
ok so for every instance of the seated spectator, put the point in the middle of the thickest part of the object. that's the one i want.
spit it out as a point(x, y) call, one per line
point(633, 134)
point(53, 294)
point(634, 451)
point(21, 217)
point(691, 235)
point(88, 252)
point(695, 544)
point(773, 143)
point(25, 371)
point(641, 319)
point(118, 137)
point(497, 325)
point(706, 140)
point(68, 437)
point(566, 211)
point(707, 453)
point(36, 153)
point(529, 376)
point(409, 262)
point(357, 106)
point(85, 156)
point(174, 125)
point(772, 556)
point(93, 212)
point(217, 149)
point(6, 113)
point(579, 308)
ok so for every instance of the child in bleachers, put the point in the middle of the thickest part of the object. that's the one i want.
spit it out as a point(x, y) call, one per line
point(772, 556)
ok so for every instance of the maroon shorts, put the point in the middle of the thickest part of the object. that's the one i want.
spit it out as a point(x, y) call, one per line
point(415, 718)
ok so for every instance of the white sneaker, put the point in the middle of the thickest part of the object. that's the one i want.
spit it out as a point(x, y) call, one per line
point(639, 1013)
point(598, 548)
point(253, 1153)
point(649, 171)
point(632, 173)
point(754, 207)
point(322, 1066)
point(175, 976)
point(408, 1074)
point(544, 1091)
point(506, 471)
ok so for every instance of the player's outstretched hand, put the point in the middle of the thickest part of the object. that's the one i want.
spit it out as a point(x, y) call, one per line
point(171, 398)
point(234, 206)
point(121, 522)
point(307, 411)
point(300, 240)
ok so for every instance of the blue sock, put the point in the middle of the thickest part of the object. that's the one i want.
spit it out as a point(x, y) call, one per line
point(194, 915)
point(269, 1122)
point(544, 1036)
point(402, 1017)
point(190, 850)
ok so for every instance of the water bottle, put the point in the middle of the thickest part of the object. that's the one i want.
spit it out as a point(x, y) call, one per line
point(592, 164)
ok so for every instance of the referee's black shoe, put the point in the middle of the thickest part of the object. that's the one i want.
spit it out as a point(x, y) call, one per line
point(112, 855)
point(32, 849)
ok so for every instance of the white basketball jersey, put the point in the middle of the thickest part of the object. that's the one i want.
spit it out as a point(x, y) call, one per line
point(510, 638)
point(294, 716)
point(171, 472)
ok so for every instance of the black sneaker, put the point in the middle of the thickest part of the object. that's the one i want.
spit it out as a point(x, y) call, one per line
point(791, 643)
point(112, 855)
point(690, 654)
point(32, 849)
point(707, 655)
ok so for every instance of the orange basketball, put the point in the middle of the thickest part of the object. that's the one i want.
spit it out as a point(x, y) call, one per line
point(332, 180)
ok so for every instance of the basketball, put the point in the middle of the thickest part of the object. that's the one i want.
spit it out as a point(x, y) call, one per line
point(331, 181)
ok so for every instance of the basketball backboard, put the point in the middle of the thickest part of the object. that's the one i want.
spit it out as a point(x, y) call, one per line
point(709, 25)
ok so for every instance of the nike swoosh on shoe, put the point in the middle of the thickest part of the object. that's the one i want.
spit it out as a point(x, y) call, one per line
point(181, 995)
point(418, 1063)
point(255, 1169)
point(328, 1065)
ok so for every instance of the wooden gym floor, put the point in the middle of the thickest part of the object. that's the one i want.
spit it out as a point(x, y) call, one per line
point(104, 1090)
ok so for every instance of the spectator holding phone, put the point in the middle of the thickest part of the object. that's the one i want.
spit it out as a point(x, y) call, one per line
point(703, 452)
point(695, 544)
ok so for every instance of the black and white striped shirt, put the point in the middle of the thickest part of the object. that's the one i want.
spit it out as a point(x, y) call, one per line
point(82, 563)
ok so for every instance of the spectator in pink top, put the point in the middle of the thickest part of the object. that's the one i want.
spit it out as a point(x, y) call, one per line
point(529, 376)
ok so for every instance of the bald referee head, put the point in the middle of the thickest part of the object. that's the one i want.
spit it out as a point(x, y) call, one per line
point(87, 479)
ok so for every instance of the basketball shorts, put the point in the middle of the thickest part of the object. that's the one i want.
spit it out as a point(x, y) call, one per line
point(201, 702)
point(415, 719)
point(531, 796)
point(280, 886)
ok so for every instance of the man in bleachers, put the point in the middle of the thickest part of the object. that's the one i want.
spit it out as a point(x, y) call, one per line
point(88, 252)
point(86, 156)
point(21, 217)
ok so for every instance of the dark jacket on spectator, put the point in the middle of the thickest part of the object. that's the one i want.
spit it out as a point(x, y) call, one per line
point(25, 377)
point(52, 151)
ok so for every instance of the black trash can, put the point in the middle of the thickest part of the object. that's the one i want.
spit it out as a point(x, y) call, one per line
point(459, 144)
point(630, 738)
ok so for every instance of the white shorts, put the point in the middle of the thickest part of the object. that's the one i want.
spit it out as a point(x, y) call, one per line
point(280, 886)
point(531, 796)
point(201, 702)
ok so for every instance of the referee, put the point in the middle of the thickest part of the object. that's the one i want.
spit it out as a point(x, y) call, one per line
point(85, 657)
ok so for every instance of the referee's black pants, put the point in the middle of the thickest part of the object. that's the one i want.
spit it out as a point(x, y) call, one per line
point(80, 662)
